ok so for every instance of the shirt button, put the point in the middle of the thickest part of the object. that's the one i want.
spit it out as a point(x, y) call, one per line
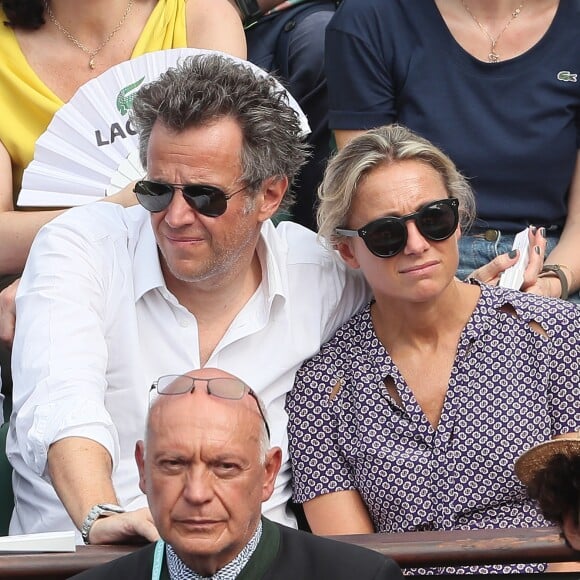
point(184, 323)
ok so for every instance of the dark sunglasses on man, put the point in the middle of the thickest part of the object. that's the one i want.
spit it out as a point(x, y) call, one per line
point(208, 200)
point(387, 236)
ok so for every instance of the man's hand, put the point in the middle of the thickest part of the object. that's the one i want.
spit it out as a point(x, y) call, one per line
point(8, 313)
point(128, 528)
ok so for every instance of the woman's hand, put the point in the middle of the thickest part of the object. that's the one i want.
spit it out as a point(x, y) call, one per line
point(491, 272)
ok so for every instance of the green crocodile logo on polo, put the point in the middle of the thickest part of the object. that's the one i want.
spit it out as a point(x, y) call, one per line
point(126, 95)
point(567, 76)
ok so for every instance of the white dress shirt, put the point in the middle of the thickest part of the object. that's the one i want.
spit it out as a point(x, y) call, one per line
point(96, 325)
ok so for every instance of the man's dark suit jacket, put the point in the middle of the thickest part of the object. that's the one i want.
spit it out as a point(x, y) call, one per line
point(282, 554)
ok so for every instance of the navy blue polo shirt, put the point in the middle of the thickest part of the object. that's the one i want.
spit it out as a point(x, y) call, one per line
point(513, 128)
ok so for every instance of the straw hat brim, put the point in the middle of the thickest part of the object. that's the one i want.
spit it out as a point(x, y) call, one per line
point(538, 457)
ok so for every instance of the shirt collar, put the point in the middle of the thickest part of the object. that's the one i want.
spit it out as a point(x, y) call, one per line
point(272, 254)
point(147, 273)
point(178, 570)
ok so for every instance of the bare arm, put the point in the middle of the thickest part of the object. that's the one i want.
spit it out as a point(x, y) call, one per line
point(566, 252)
point(215, 25)
point(338, 513)
point(17, 228)
point(80, 470)
point(17, 231)
point(8, 313)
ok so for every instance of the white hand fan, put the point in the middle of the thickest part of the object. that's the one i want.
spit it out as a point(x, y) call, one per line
point(90, 149)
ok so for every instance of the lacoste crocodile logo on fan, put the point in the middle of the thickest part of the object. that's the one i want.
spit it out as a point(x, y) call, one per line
point(125, 96)
point(567, 76)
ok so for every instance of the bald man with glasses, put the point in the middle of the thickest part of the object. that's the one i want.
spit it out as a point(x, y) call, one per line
point(206, 466)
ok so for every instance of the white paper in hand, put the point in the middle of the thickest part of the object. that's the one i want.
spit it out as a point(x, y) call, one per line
point(514, 277)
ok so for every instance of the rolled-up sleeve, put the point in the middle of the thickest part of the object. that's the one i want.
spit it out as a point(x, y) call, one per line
point(60, 352)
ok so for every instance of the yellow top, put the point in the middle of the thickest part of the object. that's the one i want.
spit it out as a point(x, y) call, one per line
point(27, 105)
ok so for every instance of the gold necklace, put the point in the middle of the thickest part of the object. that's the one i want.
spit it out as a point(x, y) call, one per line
point(92, 53)
point(493, 56)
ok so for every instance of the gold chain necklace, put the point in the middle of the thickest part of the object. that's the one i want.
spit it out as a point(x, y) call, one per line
point(493, 56)
point(92, 53)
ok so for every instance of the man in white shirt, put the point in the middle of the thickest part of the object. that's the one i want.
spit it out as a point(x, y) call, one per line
point(112, 298)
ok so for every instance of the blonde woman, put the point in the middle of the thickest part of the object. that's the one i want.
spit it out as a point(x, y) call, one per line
point(411, 417)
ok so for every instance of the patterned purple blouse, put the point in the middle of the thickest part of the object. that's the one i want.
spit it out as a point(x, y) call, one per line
point(510, 388)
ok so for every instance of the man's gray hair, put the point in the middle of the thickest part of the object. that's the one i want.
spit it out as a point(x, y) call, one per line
point(381, 147)
point(265, 444)
point(204, 88)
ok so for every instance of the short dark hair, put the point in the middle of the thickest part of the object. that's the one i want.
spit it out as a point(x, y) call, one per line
point(556, 487)
point(204, 88)
point(28, 14)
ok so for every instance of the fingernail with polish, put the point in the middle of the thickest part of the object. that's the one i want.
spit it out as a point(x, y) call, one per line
point(534, 229)
point(543, 232)
point(537, 250)
point(513, 254)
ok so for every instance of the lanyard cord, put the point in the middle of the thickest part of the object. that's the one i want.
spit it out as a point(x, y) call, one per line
point(158, 560)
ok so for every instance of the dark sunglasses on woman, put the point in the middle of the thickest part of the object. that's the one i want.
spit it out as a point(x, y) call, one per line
point(208, 200)
point(387, 236)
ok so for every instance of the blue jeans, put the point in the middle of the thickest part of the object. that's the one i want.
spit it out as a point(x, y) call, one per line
point(475, 252)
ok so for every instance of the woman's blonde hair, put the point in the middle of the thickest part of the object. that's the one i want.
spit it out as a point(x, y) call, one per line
point(379, 147)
